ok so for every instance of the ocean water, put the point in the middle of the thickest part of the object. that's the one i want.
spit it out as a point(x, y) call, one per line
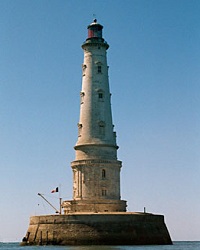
point(177, 245)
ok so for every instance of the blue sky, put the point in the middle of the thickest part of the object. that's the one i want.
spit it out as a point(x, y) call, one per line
point(154, 60)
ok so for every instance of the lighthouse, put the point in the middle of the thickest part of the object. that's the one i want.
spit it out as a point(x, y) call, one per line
point(96, 215)
point(96, 169)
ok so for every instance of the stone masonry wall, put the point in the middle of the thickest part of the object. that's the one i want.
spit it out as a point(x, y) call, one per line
point(105, 228)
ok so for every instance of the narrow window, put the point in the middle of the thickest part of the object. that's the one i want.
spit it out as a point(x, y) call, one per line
point(101, 96)
point(82, 94)
point(79, 129)
point(103, 192)
point(84, 68)
point(103, 173)
point(99, 69)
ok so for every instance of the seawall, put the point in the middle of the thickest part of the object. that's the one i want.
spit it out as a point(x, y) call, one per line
point(123, 228)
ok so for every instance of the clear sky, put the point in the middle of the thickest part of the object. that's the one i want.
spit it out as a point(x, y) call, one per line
point(154, 73)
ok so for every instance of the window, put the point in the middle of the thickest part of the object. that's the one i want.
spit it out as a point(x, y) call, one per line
point(84, 68)
point(103, 173)
point(99, 69)
point(103, 192)
point(82, 97)
point(79, 129)
point(100, 94)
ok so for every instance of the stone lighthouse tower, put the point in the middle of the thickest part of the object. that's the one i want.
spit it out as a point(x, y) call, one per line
point(96, 215)
point(96, 170)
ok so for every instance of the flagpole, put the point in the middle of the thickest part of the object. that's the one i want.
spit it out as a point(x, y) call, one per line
point(60, 205)
point(60, 199)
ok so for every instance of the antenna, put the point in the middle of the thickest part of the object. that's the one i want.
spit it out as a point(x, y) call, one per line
point(94, 18)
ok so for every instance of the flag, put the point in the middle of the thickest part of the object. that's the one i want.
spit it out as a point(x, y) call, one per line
point(54, 190)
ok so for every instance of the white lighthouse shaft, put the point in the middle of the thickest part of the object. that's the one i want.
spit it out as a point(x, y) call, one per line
point(95, 125)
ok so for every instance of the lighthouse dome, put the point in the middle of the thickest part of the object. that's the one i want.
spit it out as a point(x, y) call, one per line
point(95, 30)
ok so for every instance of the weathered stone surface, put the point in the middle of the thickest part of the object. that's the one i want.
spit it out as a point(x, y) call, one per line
point(94, 206)
point(96, 169)
point(96, 215)
point(98, 229)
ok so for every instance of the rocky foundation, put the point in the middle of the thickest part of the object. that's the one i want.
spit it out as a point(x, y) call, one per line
point(123, 228)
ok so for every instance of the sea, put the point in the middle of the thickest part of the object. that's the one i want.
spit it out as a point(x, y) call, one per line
point(177, 245)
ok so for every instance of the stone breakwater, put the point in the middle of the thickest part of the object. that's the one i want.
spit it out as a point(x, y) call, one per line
point(122, 228)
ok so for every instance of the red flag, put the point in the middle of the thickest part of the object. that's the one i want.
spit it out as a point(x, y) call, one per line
point(54, 190)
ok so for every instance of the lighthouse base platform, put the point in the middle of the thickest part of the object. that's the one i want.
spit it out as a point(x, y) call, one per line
point(119, 228)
